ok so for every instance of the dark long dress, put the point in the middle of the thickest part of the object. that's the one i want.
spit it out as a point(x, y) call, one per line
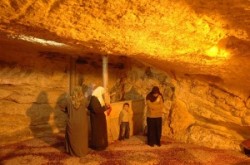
point(99, 137)
point(76, 135)
point(154, 119)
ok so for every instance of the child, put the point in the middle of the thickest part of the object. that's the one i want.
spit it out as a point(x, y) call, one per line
point(124, 122)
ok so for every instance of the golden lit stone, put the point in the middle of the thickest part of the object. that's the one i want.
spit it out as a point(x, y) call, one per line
point(217, 52)
point(200, 48)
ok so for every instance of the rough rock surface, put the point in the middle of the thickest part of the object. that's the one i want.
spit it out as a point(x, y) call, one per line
point(205, 38)
point(201, 48)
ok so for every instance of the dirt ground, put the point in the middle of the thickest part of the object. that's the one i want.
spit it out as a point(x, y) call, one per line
point(134, 151)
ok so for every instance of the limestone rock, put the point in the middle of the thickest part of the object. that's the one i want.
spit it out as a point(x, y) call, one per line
point(180, 120)
point(191, 53)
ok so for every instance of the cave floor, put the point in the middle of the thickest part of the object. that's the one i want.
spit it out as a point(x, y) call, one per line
point(50, 150)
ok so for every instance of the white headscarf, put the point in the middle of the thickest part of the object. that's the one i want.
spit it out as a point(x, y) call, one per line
point(98, 92)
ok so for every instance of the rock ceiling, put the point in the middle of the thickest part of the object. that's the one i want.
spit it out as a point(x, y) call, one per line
point(202, 39)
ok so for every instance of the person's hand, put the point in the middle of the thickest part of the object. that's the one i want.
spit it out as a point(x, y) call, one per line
point(109, 109)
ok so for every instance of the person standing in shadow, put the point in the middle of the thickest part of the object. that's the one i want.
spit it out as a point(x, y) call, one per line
point(76, 135)
point(97, 107)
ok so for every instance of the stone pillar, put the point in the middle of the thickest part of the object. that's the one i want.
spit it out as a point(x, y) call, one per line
point(72, 74)
point(105, 71)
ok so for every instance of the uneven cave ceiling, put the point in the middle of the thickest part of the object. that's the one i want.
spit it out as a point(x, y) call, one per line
point(203, 39)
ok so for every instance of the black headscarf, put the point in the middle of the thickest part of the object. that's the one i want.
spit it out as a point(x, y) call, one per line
point(151, 96)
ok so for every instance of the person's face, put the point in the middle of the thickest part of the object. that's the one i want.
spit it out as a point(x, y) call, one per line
point(126, 107)
point(105, 95)
point(156, 94)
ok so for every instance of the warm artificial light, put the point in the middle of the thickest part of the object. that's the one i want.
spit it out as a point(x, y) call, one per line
point(37, 40)
point(217, 52)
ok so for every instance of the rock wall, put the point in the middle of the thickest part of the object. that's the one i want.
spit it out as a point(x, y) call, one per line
point(208, 115)
point(31, 85)
point(197, 111)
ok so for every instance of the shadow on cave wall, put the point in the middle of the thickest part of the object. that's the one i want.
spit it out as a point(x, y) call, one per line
point(60, 116)
point(41, 114)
